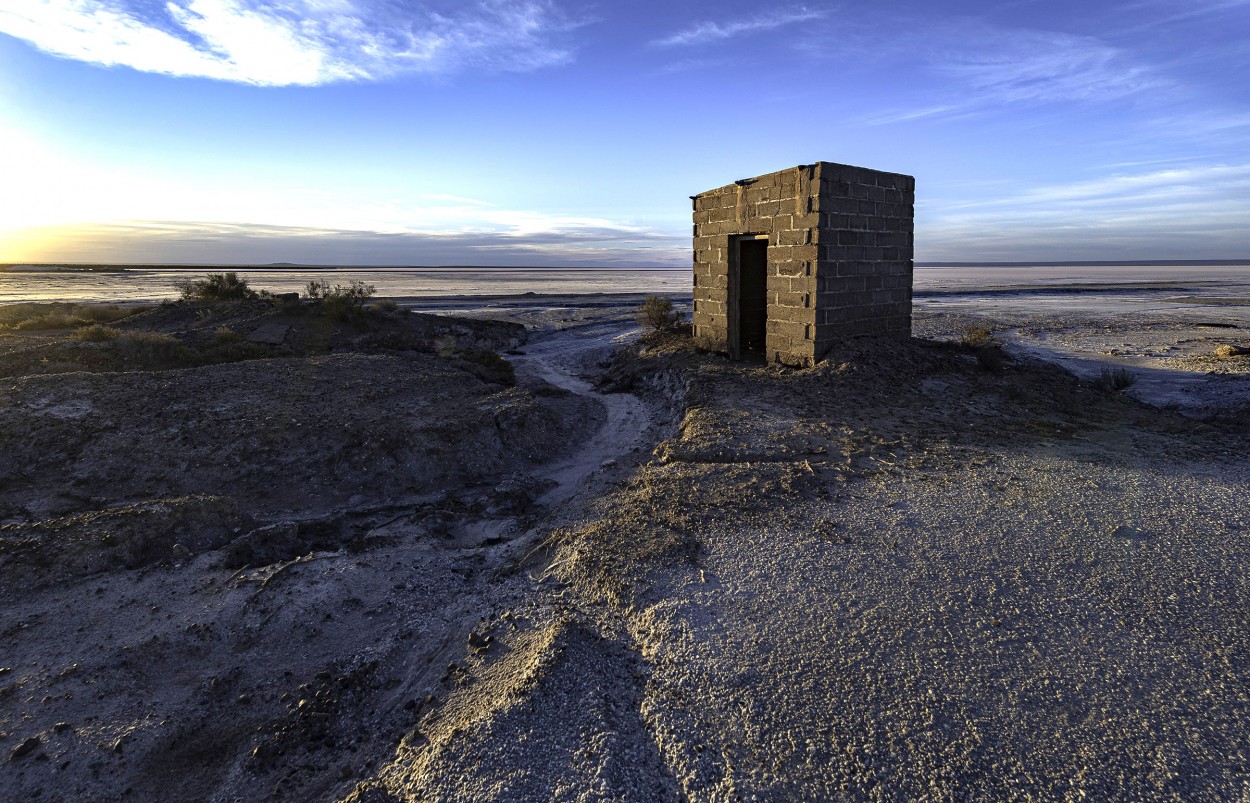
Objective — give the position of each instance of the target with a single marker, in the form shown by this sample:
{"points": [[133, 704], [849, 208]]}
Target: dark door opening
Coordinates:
{"points": [[752, 294]]}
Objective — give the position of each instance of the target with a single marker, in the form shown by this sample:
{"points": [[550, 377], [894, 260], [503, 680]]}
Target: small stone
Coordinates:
{"points": [[61, 727], [25, 748], [244, 699], [179, 552], [346, 771], [117, 745]]}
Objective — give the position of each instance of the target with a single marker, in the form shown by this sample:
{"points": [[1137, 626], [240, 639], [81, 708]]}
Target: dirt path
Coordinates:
{"points": [[558, 358]]}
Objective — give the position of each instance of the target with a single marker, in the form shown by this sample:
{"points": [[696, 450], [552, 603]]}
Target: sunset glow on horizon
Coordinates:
{"points": [[565, 133]]}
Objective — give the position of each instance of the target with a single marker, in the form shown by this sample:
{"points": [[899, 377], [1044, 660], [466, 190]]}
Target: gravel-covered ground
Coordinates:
{"points": [[917, 571], [896, 576]]}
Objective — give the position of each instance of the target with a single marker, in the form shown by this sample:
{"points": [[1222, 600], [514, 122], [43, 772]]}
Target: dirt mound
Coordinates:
{"points": [[126, 537], [186, 334]]}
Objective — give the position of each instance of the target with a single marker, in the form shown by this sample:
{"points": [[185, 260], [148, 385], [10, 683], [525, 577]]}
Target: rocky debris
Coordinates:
{"points": [[287, 540], [271, 333], [25, 748]]}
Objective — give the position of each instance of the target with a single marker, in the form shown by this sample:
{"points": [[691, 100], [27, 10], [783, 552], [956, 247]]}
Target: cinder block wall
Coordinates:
{"points": [[839, 257]]}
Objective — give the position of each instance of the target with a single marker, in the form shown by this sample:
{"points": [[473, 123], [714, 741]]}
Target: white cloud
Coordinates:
{"points": [[705, 32], [297, 42]]}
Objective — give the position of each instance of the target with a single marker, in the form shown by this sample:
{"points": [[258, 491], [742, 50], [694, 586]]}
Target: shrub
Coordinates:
{"points": [[51, 320], [707, 343], [340, 302], [1117, 379], [991, 358], [153, 349], [216, 287], [489, 366], [98, 333], [978, 337], [657, 313], [105, 313], [61, 315], [384, 305], [1226, 350], [224, 335], [218, 351]]}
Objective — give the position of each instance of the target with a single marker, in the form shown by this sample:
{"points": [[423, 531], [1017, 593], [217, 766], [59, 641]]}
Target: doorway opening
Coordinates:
{"points": [[752, 294]]}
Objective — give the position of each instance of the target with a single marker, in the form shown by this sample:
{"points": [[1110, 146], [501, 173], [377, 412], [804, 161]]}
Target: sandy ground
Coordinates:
{"points": [[893, 576]]}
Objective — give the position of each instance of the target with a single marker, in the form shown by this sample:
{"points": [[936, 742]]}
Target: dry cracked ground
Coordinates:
{"points": [[904, 574]]}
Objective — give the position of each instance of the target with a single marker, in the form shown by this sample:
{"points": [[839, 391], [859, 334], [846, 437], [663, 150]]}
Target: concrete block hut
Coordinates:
{"points": [[789, 263]]}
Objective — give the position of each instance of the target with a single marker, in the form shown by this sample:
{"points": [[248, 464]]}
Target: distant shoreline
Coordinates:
{"points": [[57, 267]]}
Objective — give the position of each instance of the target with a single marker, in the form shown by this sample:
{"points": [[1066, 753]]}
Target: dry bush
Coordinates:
{"points": [[105, 313], [61, 315], [488, 365], [1117, 379], [224, 335], [50, 320], [657, 313], [708, 343], [1227, 350], [978, 337], [384, 305], [339, 302], [153, 349], [991, 358], [97, 333], [216, 287]]}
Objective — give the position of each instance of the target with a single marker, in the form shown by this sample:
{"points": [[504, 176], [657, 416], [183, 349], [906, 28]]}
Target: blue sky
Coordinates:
{"points": [[571, 133]]}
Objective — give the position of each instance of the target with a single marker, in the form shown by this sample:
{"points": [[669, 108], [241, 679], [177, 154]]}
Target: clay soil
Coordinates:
{"points": [[360, 568]]}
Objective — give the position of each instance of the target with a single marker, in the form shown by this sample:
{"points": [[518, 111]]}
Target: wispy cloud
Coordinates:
{"points": [[707, 32], [1191, 212], [296, 42], [981, 68], [1046, 66], [247, 243]]}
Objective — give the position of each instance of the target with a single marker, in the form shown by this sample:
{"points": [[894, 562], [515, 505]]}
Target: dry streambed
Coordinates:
{"points": [[256, 575]]}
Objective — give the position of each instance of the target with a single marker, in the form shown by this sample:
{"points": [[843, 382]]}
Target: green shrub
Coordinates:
{"points": [[1117, 379], [98, 333], [216, 287], [657, 313]]}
